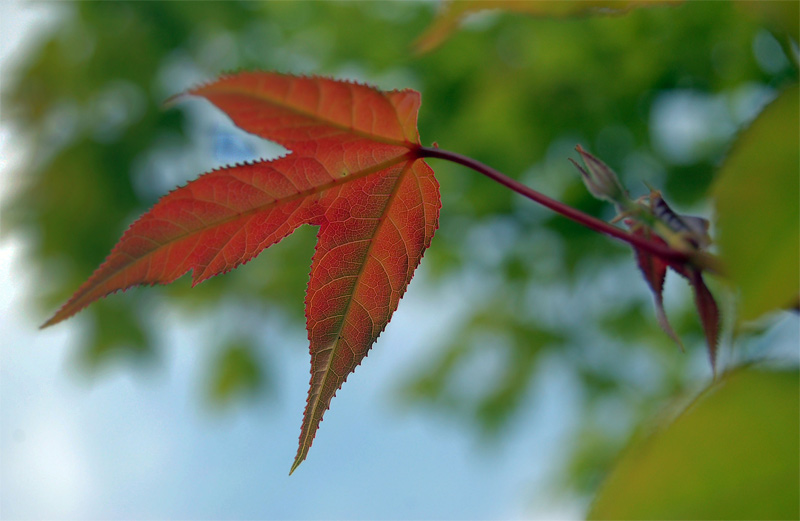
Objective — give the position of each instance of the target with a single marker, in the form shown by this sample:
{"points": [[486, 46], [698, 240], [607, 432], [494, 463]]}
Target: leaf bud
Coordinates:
{"points": [[599, 179]]}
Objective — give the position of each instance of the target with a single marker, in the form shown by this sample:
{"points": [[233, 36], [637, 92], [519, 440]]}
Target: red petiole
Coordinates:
{"points": [[664, 252]]}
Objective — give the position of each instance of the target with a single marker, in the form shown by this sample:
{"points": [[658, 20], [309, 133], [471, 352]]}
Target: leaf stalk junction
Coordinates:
{"points": [[702, 260]]}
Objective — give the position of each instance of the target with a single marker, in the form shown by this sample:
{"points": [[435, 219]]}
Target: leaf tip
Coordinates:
{"points": [[297, 461], [66, 311], [50, 321]]}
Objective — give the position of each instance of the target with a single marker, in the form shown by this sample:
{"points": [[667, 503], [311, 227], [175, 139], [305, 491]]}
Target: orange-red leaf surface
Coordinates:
{"points": [[353, 172]]}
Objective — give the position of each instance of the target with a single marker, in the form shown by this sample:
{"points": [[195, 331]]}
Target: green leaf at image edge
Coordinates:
{"points": [[758, 211], [734, 453]]}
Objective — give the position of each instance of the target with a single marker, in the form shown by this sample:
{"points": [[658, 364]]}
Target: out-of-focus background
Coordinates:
{"points": [[526, 350]]}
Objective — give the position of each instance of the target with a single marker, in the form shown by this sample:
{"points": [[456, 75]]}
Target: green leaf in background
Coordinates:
{"points": [[235, 373], [758, 209], [734, 453]]}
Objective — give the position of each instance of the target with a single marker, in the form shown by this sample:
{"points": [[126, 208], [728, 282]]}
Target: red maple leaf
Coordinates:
{"points": [[354, 171]]}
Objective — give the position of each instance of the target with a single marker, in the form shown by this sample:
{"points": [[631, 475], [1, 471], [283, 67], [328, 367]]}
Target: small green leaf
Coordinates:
{"points": [[117, 335], [236, 373], [758, 209], [734, 453]]}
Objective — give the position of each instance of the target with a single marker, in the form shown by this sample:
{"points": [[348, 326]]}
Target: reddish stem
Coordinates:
{"points": [[660, 250]]}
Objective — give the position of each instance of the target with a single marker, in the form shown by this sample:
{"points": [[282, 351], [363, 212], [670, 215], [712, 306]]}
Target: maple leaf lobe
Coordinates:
{"points": [[306, 114]]}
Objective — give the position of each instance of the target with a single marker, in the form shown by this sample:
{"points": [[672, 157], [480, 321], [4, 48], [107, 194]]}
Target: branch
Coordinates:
{"points": [[666, 253]]}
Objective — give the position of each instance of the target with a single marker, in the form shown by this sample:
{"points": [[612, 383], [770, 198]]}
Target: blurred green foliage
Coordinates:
{"points": [[517, 93]]}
